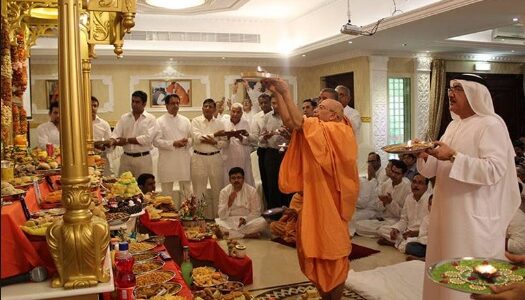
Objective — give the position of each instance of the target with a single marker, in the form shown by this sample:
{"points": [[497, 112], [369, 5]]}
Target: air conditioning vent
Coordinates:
{"points": [[515, 32], [193, 37]]}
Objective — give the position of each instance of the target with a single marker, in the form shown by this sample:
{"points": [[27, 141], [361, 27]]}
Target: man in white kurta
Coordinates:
{"points": [[236, 153], [391, 198], [206, 161], [516, 233], [101, 132], [351, 113], [240, 208], [476, 192], [48, 132], [174, 142], [365, 208], [414, 210], [135, 132]]}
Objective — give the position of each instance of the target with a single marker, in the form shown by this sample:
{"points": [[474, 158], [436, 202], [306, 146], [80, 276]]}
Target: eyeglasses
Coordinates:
{"points": [[455, 89]]}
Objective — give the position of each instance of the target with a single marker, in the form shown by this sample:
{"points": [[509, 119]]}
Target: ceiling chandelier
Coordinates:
{"points": [[175, 4]]}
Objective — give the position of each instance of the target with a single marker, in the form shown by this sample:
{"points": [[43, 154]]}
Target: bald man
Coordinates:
{"points": [[322, 150]]}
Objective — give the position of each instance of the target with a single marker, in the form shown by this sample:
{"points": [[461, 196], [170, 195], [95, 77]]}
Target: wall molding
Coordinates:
{"points": [[106, 80]]}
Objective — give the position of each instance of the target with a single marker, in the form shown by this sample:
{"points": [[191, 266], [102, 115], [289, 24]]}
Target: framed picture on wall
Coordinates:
{"points": [[160, 88], [51, 91]]}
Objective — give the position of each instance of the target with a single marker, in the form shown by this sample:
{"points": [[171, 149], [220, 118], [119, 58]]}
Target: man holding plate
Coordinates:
{"points": [[476, 192]]}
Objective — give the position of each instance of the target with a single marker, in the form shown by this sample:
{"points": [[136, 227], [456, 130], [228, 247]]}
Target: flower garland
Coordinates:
{"points": [[16, 119], [5, 81], [18, 60], [23, 121]]}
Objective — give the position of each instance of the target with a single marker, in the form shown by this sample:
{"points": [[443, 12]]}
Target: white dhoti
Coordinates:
{"points": [[204, 167], [370, 228], [231, 225], [361, 214]]}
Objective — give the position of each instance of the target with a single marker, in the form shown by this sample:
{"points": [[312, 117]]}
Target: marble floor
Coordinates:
{"points": [[275, 264]]}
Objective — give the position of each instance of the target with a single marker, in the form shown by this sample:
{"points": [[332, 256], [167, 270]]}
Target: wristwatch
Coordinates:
{"points": [[453, 157]]}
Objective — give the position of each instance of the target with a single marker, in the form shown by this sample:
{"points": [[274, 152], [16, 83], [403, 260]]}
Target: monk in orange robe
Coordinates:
{"points": [[320, 162], [286, 227]]}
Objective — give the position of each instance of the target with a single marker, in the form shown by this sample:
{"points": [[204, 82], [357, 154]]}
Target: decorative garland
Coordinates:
{"points": [[18, 60], [5, 81]]}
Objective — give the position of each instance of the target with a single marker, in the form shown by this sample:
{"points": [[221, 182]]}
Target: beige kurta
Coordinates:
{"points": [[474, 198]]}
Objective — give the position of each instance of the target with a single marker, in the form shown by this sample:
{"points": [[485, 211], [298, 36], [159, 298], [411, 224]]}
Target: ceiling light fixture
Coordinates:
{"points": [[303, 55], [178, 4], [514, 19], [350, 42]]}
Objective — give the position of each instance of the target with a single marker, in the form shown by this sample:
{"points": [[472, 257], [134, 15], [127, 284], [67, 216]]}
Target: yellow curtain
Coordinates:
{"points": [[437, 96]]}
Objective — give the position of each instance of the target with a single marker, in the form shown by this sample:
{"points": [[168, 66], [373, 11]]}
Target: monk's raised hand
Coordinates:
{"points": [[442, 151], [275, 85]]}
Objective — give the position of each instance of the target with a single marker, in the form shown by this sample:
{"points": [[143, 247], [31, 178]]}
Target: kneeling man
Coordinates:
{"points": [[240, 208]]}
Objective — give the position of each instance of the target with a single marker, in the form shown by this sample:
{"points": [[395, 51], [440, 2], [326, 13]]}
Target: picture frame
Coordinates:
{"points": [[51, 91], [160, 88]]}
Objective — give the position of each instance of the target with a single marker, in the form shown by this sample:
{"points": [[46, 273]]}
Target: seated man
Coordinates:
{"points": [[391, 198], [414, 210], [417, 248], [146, 183], [240, 208], [286, 227], [515, 242], [366, 208]]}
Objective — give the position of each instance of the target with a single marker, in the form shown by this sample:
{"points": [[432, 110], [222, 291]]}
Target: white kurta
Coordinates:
{"points": [[246, 205], [355, 119], [412, 215], [236, 153], [391, 212], [102, 132], [516, 234], [365, 206], [48, 133], [473, 196], [174, 163]]}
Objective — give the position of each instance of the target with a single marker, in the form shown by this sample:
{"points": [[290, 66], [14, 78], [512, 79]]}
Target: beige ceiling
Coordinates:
{"points": [[306, 32]]}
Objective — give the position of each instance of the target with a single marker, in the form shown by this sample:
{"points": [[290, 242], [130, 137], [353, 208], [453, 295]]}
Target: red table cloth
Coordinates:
{"points": [[19, 254], [208, 249]]}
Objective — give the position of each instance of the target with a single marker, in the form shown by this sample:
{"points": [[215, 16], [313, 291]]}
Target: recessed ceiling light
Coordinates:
{"points": [[404, 44], [171, 58], [303, 55], [223, 57], [512, 51], [514, 19], [179, 4], [350, 42], [427, 51], [502, 40]]}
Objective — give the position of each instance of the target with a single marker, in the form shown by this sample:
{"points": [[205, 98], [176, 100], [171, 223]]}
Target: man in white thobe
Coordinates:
{"points": [[240, 208], [101, 132], [391, 198], [350, 112], [135, 132], [48, 132], [414, 210], [206, 161], [174, 142], [236, 152], [476, 192], [247, 111]]}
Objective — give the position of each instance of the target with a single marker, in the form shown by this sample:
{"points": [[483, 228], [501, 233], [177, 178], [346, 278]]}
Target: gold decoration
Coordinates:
{"points": [[366, 119], [79, 242]]}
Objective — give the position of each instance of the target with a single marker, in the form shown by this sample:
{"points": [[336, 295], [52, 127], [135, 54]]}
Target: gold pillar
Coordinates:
{"points": [[86, 95], [78, 243]]}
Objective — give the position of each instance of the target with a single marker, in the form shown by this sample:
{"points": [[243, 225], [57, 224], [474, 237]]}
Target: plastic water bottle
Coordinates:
{"points": [[125, 279], [187, 267]]}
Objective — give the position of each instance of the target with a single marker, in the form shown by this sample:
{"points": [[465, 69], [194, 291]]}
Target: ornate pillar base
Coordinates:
{"points": [[79, 242]]}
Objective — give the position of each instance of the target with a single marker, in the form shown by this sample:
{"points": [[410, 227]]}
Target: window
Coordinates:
{"points": [[398, 110]]}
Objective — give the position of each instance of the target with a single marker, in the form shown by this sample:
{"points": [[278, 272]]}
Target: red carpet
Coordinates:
{"points": [[357, 251]]}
